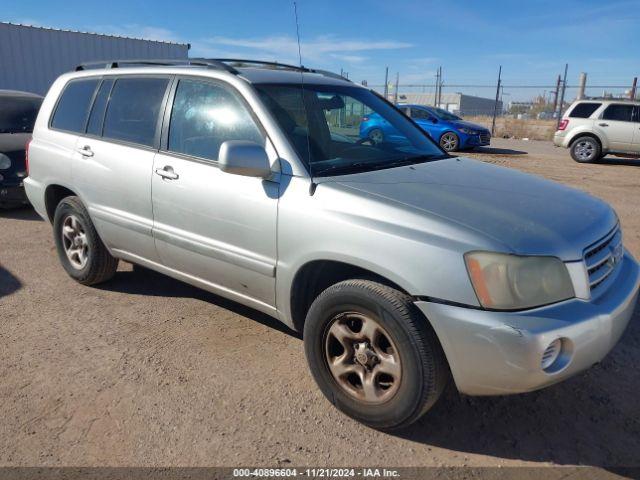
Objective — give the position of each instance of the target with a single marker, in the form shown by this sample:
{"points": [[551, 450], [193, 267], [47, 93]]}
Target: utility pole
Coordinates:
{"points": [[564, 88], [386, 83], [440, 89], [495, 105], [632, 95], [395, 93], [555, 96], [582, 85], [435, 95]]}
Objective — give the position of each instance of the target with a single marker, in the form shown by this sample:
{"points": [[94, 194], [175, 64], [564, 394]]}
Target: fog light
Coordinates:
{"points": [[551, 353]]}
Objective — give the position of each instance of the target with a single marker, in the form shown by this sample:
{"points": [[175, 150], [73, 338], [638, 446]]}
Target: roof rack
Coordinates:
{"points": [[196, 62], [225, 64], [239, 62]]}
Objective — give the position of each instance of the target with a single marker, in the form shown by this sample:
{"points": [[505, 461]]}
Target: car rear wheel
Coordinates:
{"points": [[376, 136], [586, 150], [373, 355], [449, 142], [81, 252]]}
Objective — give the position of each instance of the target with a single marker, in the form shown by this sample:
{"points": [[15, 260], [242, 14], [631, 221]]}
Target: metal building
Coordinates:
{"points": [[31, 58], [456, 103]]}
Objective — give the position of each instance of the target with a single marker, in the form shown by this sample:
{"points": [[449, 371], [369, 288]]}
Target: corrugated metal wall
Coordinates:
{"points": [[31, 58]]}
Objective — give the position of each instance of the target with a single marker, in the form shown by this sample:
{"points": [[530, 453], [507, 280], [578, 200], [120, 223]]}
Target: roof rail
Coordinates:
{"points": [[197, 62], [214, 63], [238, 62]]}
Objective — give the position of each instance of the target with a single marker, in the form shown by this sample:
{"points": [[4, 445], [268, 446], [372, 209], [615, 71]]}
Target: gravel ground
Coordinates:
{"points": [[145, 370]]}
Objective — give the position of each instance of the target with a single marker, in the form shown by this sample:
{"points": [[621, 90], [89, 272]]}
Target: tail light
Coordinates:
{"points": [[563, 124], [26, 156]]}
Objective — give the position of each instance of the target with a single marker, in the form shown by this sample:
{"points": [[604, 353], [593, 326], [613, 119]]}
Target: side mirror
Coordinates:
{"points": [[241, 157]]}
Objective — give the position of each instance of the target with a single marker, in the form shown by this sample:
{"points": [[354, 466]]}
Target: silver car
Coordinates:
{"points": [[402, 266]]}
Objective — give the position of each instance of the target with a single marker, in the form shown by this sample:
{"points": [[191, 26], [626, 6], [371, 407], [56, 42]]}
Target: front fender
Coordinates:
{"points": [[413, 251]]}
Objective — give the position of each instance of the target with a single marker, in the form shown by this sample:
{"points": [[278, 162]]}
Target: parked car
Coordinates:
{"points": [[18, 111], [591, 129], [449, 130], [402, 266]]}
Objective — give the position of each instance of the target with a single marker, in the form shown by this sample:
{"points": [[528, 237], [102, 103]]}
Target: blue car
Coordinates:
{"points": [[449, 130]]}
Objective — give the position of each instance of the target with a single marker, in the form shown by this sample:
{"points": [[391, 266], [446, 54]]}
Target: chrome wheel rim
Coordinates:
{"points": [[449, 142], [362, 358], [376, 136], [585, 150], [74, 242]]}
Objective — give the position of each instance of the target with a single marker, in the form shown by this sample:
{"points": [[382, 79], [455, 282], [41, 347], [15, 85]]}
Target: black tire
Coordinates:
{"points": [[376, 136], [424, 369], [100, 266], [449, 142], [586, 149]]}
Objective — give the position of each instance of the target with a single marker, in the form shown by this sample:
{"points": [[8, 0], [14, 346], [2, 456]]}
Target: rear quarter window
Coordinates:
{"points": [[133, 110], [584, 110], [73, 106]]}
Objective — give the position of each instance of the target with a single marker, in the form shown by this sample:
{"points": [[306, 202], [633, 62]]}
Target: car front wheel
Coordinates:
{"points": [[449, 142], [373, 355]]}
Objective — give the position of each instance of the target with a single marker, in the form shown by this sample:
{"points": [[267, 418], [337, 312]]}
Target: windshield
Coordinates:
{"points": [[339, 130], [18, 114], [444, 114]]}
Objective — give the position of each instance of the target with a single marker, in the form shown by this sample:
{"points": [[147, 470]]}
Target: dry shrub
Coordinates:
{"points": [[516, 128]]}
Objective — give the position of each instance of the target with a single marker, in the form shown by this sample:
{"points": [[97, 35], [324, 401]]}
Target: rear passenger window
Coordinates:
{"points": [[73, 106], [204, 116], [584, 110], [616, 111], [419, 114], [132, 113], [99, 106]]}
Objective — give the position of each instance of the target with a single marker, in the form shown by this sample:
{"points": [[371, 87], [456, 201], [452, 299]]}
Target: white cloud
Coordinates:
{"points": [[134, 30], [285, 48]]}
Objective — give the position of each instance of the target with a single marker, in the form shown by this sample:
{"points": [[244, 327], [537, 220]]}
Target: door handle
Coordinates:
{"points": [[603, 124], [167, 173], [86, 151]]}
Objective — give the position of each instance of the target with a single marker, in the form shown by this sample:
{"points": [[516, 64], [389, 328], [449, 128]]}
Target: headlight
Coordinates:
{"points": [[5, 162], [511, 282], [468, 131]]}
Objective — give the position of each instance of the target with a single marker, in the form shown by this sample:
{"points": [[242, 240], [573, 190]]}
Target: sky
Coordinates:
{"points": [[532, 40]]}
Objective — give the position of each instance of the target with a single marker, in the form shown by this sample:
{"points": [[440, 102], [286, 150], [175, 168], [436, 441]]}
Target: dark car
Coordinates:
{"points": [[18, 111]]}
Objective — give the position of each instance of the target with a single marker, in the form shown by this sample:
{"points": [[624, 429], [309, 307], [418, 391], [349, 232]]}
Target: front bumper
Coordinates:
{"points": [[12, 195], [475, 140], [497, 353]]}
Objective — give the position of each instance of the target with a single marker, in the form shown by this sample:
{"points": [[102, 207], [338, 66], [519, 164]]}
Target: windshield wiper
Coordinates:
{"points": [[343, 169]]}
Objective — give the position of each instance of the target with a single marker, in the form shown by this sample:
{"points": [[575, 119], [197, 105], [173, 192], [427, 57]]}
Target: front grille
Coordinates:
{"points": [[603, 257], [485, 137]]}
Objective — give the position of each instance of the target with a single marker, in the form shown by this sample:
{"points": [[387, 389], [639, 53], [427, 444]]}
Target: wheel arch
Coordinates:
{"points": [[315, 276], [53, 195], [587, 133]]}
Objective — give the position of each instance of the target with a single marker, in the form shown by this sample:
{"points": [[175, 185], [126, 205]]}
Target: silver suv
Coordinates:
{"points": [[402, 266], [592, 129]]}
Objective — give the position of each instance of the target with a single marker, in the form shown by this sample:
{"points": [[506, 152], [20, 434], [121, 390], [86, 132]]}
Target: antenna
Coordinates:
{"points": [[312, 186]]}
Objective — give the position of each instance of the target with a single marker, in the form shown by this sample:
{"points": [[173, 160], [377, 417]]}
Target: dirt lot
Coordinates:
{"points": [[148, 371]]}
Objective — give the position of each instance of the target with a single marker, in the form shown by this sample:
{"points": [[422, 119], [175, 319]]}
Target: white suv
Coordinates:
{"points": [[593, 128]]}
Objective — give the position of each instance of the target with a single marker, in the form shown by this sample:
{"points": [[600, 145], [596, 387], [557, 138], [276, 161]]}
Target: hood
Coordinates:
{"points": [[464, 123], [521, 213]]}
